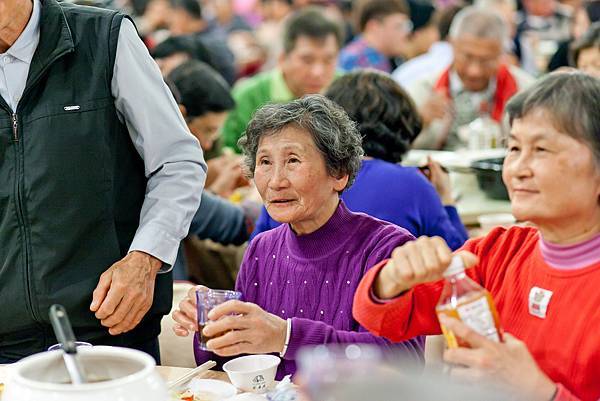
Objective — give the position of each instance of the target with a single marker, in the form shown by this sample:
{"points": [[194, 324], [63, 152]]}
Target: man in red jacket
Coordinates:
{"points": [[478, 81]]}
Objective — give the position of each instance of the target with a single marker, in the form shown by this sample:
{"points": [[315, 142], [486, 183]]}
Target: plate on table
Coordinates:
{"points": [[206, 390]]}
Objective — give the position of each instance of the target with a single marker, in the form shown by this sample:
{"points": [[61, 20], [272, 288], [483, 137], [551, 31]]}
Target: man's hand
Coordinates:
{"points": [[125, 292]]}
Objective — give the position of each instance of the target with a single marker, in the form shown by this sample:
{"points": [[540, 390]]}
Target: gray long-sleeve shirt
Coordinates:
{"points": [[172, 157]]}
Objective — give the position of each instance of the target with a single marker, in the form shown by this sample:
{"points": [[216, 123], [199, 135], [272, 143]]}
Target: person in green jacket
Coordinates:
{"points": [[307, 65]]}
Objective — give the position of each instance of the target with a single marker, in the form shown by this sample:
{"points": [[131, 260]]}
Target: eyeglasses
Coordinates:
{"points": [[484, 62]]}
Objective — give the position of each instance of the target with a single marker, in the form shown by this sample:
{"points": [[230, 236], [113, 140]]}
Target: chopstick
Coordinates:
{"points": [[189, 375]]}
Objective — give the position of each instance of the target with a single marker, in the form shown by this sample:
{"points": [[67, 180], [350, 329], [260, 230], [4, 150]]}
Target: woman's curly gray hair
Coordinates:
{"points": [[335, 135]]}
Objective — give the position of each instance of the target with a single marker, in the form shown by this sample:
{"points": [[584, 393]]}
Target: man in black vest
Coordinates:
{"points": [[99, 179]]}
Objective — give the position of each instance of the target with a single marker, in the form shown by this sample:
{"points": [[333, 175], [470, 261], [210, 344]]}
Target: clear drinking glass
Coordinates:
{"points": [[206, 300]]}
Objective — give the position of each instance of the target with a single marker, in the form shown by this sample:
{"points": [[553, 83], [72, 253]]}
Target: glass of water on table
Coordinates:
{"points": [[206, 300]]}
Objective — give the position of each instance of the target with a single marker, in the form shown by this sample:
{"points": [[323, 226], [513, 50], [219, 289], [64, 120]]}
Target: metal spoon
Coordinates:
{"points": [[64, 335]]}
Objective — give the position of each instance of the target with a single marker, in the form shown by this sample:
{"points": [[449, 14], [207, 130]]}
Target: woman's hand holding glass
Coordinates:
{"points": [[416, 262], [240, 327], [248, 329], [509, 364]]}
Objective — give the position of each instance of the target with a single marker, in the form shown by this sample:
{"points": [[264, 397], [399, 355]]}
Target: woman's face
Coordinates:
{"points": [[551, 177], [293, 181]]}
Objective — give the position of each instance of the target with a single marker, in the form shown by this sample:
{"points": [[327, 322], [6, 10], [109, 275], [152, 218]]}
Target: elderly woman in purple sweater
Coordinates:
{"points": [[298, 280]]}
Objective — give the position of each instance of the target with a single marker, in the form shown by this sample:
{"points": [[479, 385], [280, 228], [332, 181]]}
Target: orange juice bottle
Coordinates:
{"points": [[465, 300]]}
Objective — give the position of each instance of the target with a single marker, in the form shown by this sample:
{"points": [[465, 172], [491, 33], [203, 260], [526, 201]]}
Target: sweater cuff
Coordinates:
{"points": [[304, 332], [370, 282], [378, 300]]}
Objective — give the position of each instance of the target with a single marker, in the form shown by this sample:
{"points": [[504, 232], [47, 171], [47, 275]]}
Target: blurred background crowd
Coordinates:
{"points": [[223, 59]]}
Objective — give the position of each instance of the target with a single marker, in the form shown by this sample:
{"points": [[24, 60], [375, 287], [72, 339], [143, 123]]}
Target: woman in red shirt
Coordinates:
{"points": [[544, 280]]}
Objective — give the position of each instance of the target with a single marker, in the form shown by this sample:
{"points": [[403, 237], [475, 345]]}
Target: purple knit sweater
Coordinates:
{"points": [[312, 279]]}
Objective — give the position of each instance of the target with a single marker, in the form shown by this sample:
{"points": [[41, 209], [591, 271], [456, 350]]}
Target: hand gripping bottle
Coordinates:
{"points": [[465, 300]]}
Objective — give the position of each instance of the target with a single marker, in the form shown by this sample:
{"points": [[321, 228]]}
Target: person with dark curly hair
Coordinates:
{"points": [[389, 122], [298, 280]]}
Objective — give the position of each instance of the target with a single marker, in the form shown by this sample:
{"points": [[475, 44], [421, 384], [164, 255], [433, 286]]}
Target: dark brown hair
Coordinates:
{"points": [[312, 23], [378, 9], [386, 116]]}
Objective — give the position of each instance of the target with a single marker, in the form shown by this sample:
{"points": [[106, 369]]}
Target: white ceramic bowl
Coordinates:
{"points": [[125, 374], [255, 373], [211, 390]]}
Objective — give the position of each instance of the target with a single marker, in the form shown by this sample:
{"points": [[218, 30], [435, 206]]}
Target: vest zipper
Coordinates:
{"points": [[20, 208], [21, 217], [15, 125]]}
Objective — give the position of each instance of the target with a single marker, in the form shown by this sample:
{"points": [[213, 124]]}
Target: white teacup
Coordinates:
{"points": [[254, 373]]}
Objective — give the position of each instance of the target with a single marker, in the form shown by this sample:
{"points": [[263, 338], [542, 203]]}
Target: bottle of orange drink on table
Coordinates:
{"points": [[465, 300]]}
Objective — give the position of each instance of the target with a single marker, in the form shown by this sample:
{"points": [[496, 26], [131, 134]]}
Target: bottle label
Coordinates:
{"points": [[478, 316]]}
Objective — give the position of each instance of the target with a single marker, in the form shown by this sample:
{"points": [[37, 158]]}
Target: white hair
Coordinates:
{"points": [[480, 23]]}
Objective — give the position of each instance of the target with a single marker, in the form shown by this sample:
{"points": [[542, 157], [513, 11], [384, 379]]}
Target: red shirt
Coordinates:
{"points": [[565, 343]]}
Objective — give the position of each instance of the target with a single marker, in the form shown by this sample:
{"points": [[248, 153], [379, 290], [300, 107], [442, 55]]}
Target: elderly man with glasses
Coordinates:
{"points": [[476, 83]]}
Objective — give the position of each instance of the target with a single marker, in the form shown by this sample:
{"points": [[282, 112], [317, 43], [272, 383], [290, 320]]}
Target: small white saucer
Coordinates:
{"points": [[220, 389]]}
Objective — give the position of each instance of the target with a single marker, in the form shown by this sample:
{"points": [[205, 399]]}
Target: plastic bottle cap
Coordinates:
{"points": [[456, 266]]}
